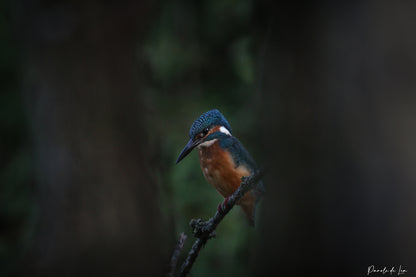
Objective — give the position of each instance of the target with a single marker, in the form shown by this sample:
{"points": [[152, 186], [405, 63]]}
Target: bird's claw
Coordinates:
{"points": [[221, 207]]}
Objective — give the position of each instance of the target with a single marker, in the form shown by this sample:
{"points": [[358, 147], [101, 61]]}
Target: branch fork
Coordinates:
{"points": [[205, 230]]}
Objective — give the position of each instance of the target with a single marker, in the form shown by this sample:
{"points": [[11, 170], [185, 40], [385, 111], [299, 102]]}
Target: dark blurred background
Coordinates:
{"points": [[96, 99]]}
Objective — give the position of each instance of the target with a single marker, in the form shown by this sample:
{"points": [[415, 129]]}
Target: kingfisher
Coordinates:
{"points": [[224, 160]]}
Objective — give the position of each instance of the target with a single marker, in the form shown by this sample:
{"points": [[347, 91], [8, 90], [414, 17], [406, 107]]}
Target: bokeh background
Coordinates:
{"points": [[96, 99]]}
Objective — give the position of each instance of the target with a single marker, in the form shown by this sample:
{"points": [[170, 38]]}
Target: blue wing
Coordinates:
{"points": [[241, 156]]}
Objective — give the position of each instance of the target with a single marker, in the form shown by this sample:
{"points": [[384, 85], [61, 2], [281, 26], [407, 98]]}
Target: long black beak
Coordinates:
{"points": [[188, 148]]}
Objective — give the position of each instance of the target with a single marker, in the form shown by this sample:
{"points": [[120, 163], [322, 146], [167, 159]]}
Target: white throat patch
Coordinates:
{"points": [[207, 143], [225, 131]]}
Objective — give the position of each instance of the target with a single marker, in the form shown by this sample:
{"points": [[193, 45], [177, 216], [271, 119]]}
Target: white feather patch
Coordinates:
{"points": [[225, 131], [207, 143]]}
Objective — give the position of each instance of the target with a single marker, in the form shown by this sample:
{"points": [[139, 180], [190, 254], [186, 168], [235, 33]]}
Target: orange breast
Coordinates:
{"points": [[220, 170]]}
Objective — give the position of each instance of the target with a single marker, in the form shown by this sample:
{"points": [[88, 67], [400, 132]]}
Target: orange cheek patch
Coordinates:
{"points": [[213, 130]]}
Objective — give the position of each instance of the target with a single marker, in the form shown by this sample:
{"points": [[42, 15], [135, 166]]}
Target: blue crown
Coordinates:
{"points": [[207, 120]]}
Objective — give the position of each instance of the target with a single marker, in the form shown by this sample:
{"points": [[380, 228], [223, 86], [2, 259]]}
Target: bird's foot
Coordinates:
{"points": [[221, 206]]}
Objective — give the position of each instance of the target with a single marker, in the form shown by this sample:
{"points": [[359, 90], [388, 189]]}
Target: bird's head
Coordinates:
{"points": [[200, 133]]}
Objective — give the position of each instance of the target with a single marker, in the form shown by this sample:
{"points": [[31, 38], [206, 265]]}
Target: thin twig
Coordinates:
{"points": [[204, 230], [176, 253]]}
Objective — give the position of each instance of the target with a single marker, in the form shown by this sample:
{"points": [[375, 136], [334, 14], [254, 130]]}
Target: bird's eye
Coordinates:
{"points": [[204, 132]]}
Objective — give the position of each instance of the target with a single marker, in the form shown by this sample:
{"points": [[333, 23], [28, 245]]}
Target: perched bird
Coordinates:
{"points": [[223, 159]]}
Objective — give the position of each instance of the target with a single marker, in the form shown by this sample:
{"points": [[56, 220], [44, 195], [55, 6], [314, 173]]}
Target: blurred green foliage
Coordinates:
{"points": [[200, 56]]}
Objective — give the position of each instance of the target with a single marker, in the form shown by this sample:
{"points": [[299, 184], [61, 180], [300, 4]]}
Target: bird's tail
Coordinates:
{"points": [[248, 204]]}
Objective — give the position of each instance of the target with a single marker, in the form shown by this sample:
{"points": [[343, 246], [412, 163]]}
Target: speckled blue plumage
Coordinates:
{"points": [[207, 120]]}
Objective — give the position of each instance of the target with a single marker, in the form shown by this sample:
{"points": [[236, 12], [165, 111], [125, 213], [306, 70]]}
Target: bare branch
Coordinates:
{"points": [[176, 253], [204, 230]]}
